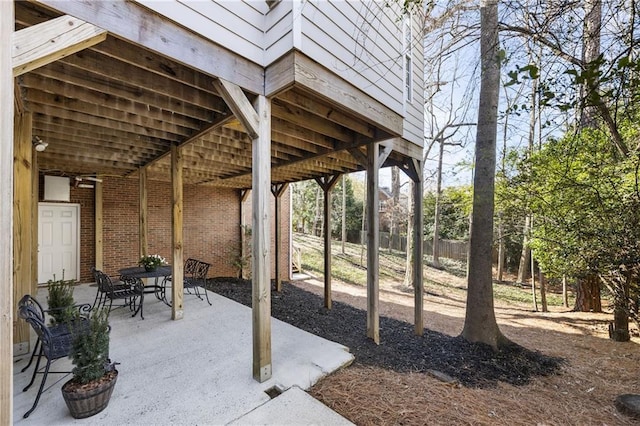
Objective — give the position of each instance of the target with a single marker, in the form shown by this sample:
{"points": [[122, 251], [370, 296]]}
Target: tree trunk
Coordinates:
{"points": [[480, 321], [408, 280], [565, 297], [533, 284], [395, 191], [317, 214], [436, 220], [344, 211], [588, 294], [619, 329], [523, 268], [543, 292], [500, 248]]}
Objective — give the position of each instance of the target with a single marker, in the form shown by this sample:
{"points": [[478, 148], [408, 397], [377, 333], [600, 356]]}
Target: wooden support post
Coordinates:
{"points": [[244, 194], [413, 168], [177, 276], [7, 25], [99, 224], [144, 214], [261, 262], [22, 212], [35, 187], [418, 286], [277, 189], [373, 239], [327, 183]]}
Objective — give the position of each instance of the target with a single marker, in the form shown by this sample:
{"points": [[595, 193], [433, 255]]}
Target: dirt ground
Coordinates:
{"points": [[594, 372]]}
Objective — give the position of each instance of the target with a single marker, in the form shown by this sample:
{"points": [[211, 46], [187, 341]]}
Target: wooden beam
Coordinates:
{"points": [[144, 213], [261, 243], [385, 151], [319, 80], [99, 224], [133, 22], [49, 41], [22, 213], [277, 189], [238, 103], [6, 212], [177, 240], [359, 156], [327, 183], [373, 239]]}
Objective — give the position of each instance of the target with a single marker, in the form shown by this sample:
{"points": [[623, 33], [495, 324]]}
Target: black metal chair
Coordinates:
{"points": [[54, 341], [195, 276], [129, 290], [198, 279]]}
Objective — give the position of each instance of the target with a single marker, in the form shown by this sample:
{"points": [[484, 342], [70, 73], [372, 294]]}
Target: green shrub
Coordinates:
{"points": [[60, 300], [90, 354]]}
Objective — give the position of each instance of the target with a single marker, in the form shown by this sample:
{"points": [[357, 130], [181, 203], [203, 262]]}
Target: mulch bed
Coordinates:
{"points": [[444, 357]]}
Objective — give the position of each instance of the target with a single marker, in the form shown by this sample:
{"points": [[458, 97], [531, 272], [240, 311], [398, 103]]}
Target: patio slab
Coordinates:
{"points": [[194, 371]]}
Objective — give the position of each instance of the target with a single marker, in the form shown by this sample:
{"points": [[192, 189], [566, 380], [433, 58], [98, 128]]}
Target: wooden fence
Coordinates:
{"points": [[450, 249]]}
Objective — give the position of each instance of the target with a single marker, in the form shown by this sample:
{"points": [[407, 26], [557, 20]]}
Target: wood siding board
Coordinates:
{"points": [[278, 37], [213, 21], [324, 19], [135, 23]]}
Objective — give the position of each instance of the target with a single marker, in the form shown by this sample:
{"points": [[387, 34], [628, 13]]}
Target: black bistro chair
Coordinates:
{"points": [[128, 290], [195, 276], [198, 279], [54, 341]]}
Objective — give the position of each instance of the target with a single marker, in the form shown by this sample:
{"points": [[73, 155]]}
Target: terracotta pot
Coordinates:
{"points": [[86, 403]]}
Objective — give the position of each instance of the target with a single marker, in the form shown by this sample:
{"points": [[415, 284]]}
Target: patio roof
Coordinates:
{"points": [[116, 107]]}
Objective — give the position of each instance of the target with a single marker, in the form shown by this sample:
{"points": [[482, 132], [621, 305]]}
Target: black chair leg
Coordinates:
{"points": [[35, 371], [36, 347], [207, 295], [44, 379]]}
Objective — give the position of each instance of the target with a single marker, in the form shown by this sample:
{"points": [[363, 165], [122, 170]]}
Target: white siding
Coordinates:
{"points": [[361, 42], [413, 125], [236, 25], [278, 28]]}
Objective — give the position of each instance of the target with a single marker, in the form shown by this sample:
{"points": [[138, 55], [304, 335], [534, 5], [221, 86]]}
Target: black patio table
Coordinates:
{"points": [[156, 288]]}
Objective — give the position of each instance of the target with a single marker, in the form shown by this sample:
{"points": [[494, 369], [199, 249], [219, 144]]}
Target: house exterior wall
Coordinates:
{"points": [[211, 226]]}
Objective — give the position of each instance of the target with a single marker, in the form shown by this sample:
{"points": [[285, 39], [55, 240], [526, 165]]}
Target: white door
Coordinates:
{"points": [[58, 244]]}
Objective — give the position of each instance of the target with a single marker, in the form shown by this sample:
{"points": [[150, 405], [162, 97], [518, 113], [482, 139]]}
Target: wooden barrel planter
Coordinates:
{"points": [[86, 403]]}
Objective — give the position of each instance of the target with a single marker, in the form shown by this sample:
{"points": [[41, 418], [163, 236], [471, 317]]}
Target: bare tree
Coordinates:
{"points": [[480, 322]]}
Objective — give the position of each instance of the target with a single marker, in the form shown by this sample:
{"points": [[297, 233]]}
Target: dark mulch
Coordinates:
{"points": [[473, 365]]}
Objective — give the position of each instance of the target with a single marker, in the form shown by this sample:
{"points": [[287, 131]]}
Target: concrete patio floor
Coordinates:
{"points": [[193, 371]]}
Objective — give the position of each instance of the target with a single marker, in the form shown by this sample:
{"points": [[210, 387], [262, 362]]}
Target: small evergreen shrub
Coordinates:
{"points": [[60, 300], [90, 354]]}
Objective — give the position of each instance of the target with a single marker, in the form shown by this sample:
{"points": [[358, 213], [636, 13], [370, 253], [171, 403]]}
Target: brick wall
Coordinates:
{"points": [[211, 225]]}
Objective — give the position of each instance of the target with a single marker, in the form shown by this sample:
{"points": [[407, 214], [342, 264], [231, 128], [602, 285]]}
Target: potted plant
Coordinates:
{"points": [[60, 300], [152, 261], [94, 375]]}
